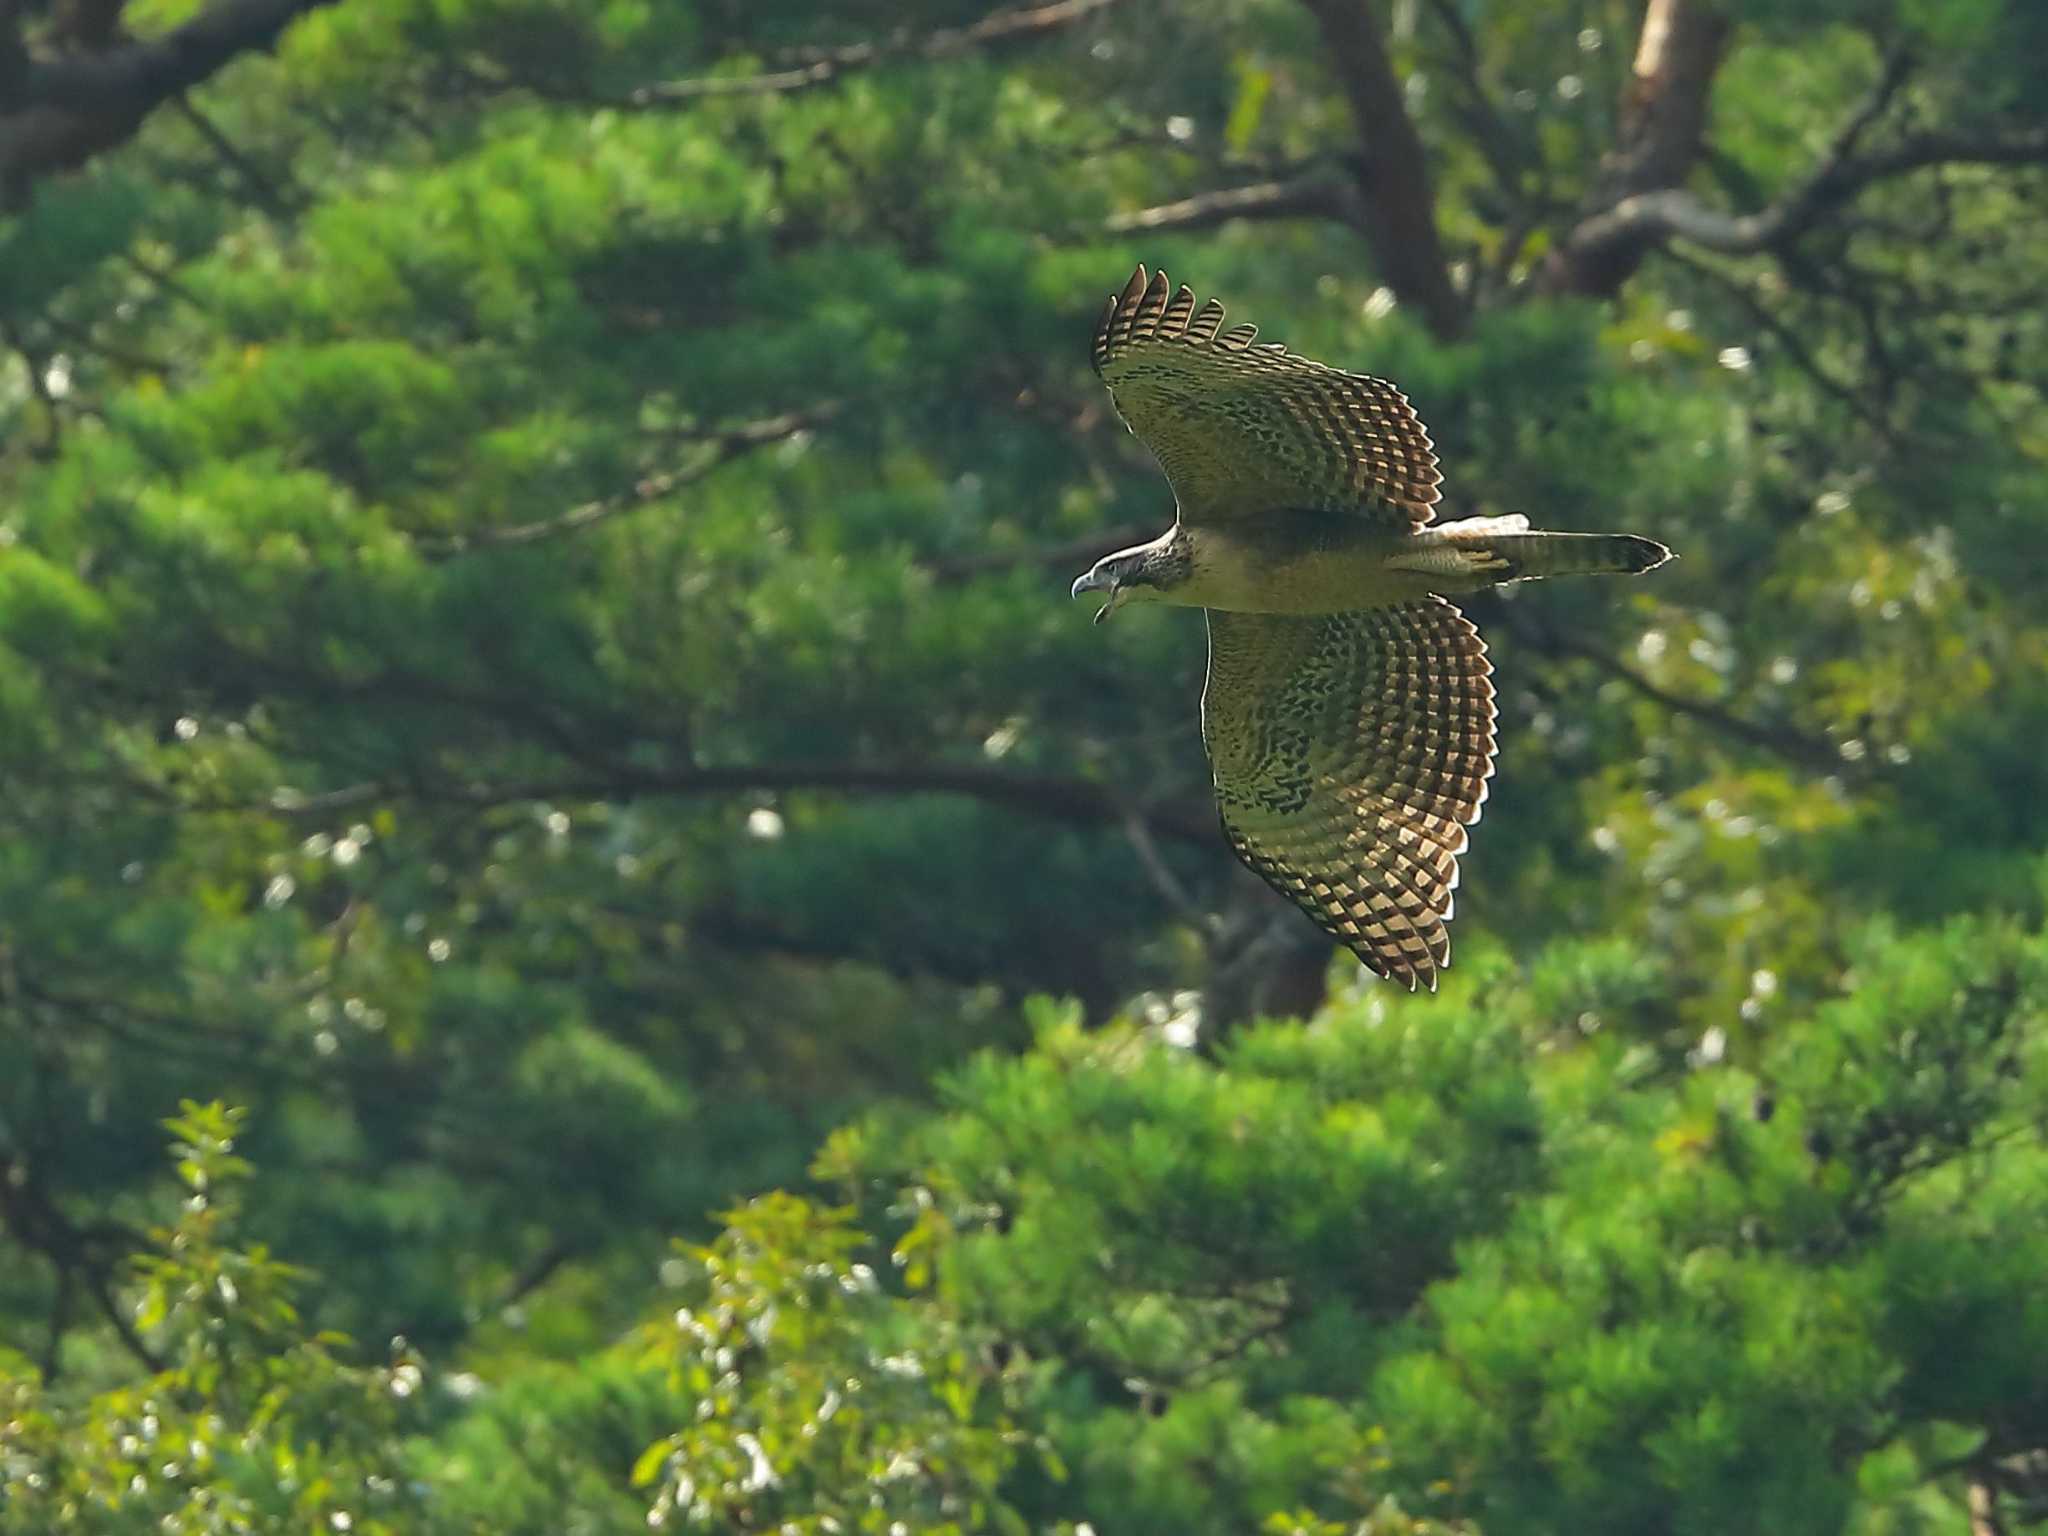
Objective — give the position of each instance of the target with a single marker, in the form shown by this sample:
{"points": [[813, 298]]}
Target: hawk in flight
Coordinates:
{"points": [[1348, 711]]}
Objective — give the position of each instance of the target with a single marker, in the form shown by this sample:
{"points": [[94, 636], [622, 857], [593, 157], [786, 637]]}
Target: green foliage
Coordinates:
{"points": [[822, 1403], [534, 657], [246, 1420], [1537, 1290]]}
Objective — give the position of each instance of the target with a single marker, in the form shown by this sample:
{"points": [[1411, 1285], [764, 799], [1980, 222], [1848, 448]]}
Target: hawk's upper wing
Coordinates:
{"points": [[1350, 753], [1242, 428]]}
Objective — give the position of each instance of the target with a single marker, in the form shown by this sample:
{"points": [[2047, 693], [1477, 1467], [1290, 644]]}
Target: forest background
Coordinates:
{"points": [[587, 939]]}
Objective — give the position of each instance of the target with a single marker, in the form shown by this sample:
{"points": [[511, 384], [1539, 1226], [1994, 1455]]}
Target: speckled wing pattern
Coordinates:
{"points": [[1350, 752], [1242, 428]]}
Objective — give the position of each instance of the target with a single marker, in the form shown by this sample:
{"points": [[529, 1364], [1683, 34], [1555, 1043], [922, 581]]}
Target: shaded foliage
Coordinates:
{"points": [[534, 658]]}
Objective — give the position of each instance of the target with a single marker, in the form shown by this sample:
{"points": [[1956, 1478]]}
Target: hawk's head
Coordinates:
{"points": [[1146, 573]]}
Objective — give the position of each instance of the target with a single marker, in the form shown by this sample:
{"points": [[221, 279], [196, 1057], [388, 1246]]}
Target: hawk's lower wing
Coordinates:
{"points": [[1350, 752]]}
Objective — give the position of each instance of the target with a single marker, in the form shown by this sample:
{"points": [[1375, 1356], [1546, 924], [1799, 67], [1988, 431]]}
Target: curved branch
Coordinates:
{"points": [[722, 448], [1788, 742], [1608, 244], [1680, 215], [828, 65], [61, 111]]}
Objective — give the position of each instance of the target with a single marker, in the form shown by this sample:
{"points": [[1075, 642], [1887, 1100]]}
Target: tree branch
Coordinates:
{"points": [[1392, 170], [1801, 355], [1505, 152], [1082, 801], [722, 447], [1607, 245], [52, 1363], [1664, 107], [1657, 216], [1982, 1500], [102, 1292], [254, 178], [1788, 742], [62, 111], [37, 364], [1663, 124], [1084, 551], [1304, 197], [827, 65], [15, 63]]}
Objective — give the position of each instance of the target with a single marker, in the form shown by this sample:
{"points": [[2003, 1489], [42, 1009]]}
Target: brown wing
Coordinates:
{"points": [[1350, 753], [1242, 428]]}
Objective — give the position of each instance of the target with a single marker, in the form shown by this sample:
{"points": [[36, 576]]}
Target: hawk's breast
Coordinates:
{"points": [[1294, 562]]}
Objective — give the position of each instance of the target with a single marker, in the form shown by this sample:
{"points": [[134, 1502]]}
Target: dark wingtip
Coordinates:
{"points": [[1647, 554]]}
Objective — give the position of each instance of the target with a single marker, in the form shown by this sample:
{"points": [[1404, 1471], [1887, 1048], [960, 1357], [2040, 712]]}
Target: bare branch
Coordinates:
{"points": [[1161, 874], [82, 339], [537, 1272], [1663, 124], [102, 1292], [1305, 197], [1392, 170], [828, 65], [89, 24], [37, 365], [1785, 741], [1802, 357], [1083, 551], [1982, 1499], [15, 63], [1615, 239], [721, 448], [1671, 214], [1082, 801], [1505, 152], [1664, 110], [62, 111], [52, 1363], [254, 178]]}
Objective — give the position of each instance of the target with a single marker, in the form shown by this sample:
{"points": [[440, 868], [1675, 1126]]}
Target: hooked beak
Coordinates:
{"points": [[1095, 581]]}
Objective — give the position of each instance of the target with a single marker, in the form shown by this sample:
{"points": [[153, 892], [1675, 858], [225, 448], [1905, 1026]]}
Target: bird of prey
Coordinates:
{"points": [[1348, 711]]}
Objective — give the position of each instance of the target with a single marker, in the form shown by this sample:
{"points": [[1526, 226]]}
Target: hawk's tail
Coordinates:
{"points": [[1504, 549]]}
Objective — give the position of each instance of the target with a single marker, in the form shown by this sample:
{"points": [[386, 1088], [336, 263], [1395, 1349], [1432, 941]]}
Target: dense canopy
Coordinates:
{"points": [[545, 756]]}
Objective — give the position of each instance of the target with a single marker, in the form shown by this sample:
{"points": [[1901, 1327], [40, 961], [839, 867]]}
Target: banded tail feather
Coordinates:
{"points": [[1507, 549], [1572, 554]]}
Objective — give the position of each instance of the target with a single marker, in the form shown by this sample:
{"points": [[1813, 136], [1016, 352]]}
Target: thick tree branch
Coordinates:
{"points": [[56, 113], [1982, 1499], [1392, 170], [827, 65], [1663, 125], [1664, 108], [721, 448], [1672, 214], [1647, 207], [15, 63]]}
